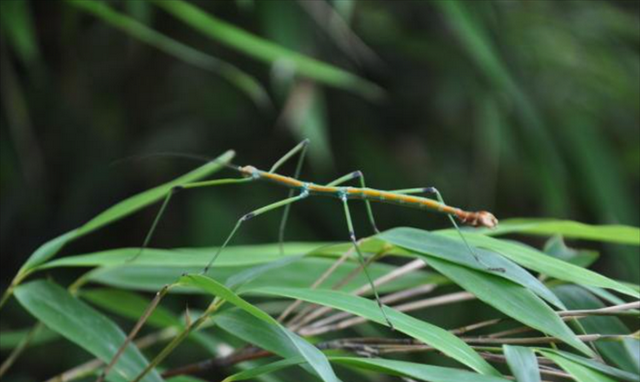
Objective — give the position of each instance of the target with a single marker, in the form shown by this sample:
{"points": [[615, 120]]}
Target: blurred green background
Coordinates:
{"points": [[523, 108]]}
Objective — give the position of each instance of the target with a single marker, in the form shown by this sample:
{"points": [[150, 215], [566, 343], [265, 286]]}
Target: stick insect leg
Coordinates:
{"points": [[302, 148], [358, 175], [433, 190], [165, 203], [145, 244], [252, 214], [352, 236]]}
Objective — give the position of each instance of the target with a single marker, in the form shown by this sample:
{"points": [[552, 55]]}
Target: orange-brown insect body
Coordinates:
{"points": [[476, 219]]}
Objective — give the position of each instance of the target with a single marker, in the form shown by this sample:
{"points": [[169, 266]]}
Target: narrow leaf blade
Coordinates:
{"points": [[82, 325]]}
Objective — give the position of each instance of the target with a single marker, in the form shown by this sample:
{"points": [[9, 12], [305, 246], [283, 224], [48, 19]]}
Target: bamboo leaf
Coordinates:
{"points": [[422, 242], [122, 209], [421, 330], [620, 234], [595, 365], [246, 83], [618, 353], [265, 50], [82, 325], [129, 305], [512, 299], [387, 366], [535, 260], [295, 344], [523, 363], [579, 372], [416, 370]]}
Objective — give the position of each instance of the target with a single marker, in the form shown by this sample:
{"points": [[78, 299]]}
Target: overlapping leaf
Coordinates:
{"points": [[421, 330], [82, 325]]}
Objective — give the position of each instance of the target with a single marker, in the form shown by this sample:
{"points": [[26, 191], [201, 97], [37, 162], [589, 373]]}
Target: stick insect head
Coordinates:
{"points": [[477, 219], [249, 171], [485, 219]]}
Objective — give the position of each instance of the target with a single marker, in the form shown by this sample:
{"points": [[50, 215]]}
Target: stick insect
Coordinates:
{"points": [[334, 189]]}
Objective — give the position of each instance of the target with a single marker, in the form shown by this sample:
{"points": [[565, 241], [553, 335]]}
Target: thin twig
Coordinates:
{"points": [[17, 351], [615, 310], [134, 331]]}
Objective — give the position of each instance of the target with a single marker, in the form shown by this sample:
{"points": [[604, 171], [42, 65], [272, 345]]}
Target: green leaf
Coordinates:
{"points": [[264, 369], [391, 367], [120, 210], [535, 260], [82, 325], [557, 248], [579, 372], [422, 242], [9, 339], [185, 378], [576, 298], [416, 370], [523, 363], [620, 234], [129, 305], [246, 83], [315, 357], [155, 268], [143, 199], [18, 27], [240, 256], [265, 335], [48, 250], [267, 51], [595, 365], [430, 334], [512, 299], [132, 306]]}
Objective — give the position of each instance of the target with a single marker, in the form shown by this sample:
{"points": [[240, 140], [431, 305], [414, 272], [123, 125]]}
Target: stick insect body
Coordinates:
{"points": [[333, 189], [476, 219], [305, 189]]}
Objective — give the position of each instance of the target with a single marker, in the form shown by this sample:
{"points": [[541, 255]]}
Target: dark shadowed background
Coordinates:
{"points": [[523, 108]]}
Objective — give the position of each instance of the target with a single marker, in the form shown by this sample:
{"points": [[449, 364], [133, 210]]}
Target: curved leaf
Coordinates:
{"points": [[392, 367], [416, 370], [246, 83], [533, 259], [430, 334], [82, 325], [122, 209], [267, 51], [522, 362], [621, 234], [579, 372], [512, 299], [617, 352], [294, 343], [595, 365], [423, 242]]}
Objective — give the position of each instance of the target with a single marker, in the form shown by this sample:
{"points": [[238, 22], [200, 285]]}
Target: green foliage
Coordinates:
{"points": [[81, 324], [522, 108], [510, 291]]}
